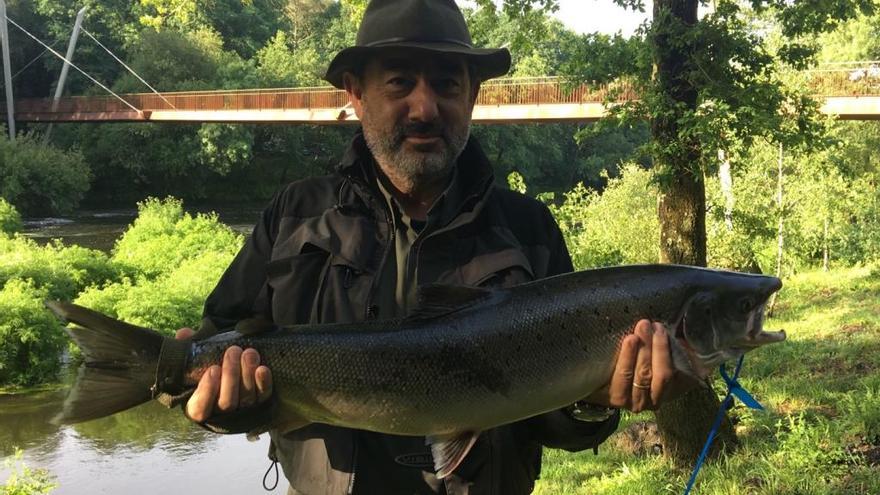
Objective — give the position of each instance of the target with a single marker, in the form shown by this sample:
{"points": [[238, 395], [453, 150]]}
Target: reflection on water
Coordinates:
{"points": [[147, 449]]}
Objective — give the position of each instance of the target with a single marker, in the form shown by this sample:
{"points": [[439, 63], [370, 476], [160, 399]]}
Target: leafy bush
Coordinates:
{"points": [[61, 271], [163, 236], [10, 220], [169, 302], [618, 226], [40, 179], [24, 480], [172, 261], [31, 338]]}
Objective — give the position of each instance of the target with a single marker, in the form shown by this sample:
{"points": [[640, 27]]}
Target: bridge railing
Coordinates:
{"points": [[508, 91], [854, 79], [845, 79]]}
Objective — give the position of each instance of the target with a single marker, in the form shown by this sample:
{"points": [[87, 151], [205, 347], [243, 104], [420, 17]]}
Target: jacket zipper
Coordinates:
{"points": [[381, 268]]}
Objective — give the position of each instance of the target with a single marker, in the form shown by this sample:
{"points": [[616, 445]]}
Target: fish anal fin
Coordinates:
{"points": [[450, 450], [439, 299]]}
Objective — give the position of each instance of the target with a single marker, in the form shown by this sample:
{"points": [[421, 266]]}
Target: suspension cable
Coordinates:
{"points": [[105, 88], [38, 57], [135, 74]]}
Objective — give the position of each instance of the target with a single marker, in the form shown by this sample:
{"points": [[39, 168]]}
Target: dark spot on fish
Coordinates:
{"points": [[539, 337], [626, 309], [596, 312]]}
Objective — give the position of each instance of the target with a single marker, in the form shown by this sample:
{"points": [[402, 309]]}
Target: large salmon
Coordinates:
{"points": [[468, 359]]}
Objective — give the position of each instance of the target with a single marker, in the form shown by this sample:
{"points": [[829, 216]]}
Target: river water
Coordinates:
{"points": [[148, 449]]}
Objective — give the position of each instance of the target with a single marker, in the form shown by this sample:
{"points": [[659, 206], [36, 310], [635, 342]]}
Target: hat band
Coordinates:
{"points": [[408, 40]]}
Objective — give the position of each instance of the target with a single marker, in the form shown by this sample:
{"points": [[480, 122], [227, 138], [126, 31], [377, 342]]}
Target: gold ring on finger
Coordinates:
{"points": [[643, 387]]}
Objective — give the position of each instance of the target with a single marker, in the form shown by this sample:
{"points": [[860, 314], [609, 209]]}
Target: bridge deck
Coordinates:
{"points": [[510, 100]]}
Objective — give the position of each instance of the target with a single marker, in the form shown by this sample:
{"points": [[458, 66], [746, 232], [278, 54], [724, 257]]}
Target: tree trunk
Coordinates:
{"points": [[683, 424]]}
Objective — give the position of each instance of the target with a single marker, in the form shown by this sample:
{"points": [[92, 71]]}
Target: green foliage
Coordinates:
{"points": [[170, 301], [24, 480], [61, 271], [10, 219], [40, 179], [30, 337], [163, 236], [830, 205], [618, 226], [172, 261], [225, 146]]}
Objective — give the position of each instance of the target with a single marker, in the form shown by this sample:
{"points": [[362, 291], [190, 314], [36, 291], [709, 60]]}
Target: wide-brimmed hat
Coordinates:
{"points": [[432, 25]]}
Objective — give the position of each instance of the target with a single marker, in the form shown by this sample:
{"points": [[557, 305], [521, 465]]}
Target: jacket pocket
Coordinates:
{"points": [[503, 268], [295, 282]]}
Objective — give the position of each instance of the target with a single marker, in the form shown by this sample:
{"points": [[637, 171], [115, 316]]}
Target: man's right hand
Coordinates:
{"points": [[241, 382]]}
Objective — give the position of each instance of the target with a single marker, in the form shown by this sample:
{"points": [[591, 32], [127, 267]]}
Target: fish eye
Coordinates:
{"points": [[746, 304]]}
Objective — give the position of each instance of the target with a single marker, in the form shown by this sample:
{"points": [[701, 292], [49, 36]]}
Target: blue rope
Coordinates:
{"points": [[734, 389]]}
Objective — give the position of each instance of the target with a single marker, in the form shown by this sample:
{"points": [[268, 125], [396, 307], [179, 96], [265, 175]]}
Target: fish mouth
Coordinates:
{"points": [[756, 336]]}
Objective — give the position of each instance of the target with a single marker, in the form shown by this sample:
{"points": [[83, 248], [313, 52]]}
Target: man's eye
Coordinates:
{"points": [[447, 84], [398, 82]]}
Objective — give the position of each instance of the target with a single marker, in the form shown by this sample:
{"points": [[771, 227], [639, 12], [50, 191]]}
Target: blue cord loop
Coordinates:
{"points": [[734, 389]]}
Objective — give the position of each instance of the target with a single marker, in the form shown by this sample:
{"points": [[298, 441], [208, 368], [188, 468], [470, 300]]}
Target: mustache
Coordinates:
{"points": [[435, 128]]}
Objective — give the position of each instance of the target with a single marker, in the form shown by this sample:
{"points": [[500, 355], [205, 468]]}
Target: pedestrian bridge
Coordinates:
{"points": [[851, 93]]}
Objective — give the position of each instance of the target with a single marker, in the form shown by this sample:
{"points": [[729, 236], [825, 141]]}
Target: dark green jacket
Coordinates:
{"points": [[316, 256]]}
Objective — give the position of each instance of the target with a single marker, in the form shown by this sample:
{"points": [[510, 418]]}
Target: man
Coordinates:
{"points": [[413, 202]]}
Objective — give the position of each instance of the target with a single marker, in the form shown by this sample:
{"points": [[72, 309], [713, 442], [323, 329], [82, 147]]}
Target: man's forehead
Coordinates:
{"points": [[422, 61]]}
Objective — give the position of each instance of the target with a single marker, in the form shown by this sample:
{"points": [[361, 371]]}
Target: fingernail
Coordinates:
{"points": [[214, 371], [661, 331], [251, 358]]}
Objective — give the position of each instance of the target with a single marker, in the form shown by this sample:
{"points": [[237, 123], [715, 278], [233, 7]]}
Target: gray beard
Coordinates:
{"points": [[414, 167]]}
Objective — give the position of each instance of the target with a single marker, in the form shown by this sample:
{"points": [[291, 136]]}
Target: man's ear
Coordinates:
{"points": [[355, 91]]}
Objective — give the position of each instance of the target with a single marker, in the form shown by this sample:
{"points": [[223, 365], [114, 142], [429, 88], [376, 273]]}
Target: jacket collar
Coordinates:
{"points": [[473, 178]]}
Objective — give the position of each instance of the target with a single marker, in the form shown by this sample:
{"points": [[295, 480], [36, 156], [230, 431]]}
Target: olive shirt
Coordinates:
{"points": [[399, 298]]}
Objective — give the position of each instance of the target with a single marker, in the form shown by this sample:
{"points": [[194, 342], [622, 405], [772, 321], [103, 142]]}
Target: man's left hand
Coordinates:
{"points": [[643, 376]]}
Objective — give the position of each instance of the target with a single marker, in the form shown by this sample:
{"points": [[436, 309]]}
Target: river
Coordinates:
{"points": [[148, 449]]}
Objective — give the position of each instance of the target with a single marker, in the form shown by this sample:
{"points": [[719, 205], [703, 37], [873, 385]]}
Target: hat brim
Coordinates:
{"points": [[486, 62]]}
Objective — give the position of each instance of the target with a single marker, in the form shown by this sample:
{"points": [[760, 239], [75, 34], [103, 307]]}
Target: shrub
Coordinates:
{"points": [[10, 220], [40, 179], [618, 226], [163, 236], [172, 261], [24, 480], [61, 271], [169, 302], [31, 338]]}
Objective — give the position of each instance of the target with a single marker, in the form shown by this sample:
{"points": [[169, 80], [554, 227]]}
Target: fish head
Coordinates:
{"points": [[724, 320]]}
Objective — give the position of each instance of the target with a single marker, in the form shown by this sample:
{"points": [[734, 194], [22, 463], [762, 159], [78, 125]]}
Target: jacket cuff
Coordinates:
{"points": [[558, 430], [248, 420]]}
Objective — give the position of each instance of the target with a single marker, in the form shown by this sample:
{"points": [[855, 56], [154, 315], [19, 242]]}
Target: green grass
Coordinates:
{"points": [[820, 433]]}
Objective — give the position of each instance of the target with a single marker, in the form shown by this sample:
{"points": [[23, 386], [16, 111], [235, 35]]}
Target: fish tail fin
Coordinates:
{"points": [[120, 363]]}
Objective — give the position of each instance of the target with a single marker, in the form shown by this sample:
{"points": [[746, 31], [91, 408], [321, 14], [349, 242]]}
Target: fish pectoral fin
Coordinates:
{"points": [[450, 450], [438, 299]]}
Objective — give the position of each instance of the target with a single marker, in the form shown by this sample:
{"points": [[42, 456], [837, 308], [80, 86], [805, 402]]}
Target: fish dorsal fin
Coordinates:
{"points": [[253, 326], [449, 450], [438, 299]]}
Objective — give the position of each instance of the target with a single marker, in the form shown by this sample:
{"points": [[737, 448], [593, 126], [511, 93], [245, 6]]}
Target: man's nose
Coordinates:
{"points": [[423, 102]]}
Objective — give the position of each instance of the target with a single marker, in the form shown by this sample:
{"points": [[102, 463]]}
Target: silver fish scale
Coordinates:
{"points": [[521, 352]]}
